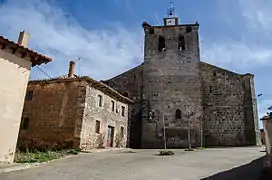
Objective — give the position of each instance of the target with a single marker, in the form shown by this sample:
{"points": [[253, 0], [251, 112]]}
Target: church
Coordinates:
{"points": [[180, 100]]}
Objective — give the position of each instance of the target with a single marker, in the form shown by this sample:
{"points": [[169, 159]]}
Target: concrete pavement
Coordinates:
{"points": [[212, 164]]}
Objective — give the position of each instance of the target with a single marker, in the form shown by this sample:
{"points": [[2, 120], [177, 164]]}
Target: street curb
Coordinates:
{"points": [[106, 150], [16, 168]]}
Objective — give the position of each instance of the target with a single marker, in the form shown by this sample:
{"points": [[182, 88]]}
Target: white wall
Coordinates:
{"points": [[14, 78]]}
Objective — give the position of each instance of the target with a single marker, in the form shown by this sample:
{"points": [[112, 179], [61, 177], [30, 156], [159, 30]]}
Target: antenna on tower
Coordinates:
{"points": [[171, 9]]}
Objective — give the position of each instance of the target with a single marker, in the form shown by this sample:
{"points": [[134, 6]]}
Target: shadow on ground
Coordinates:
{"points": [[251, 171]]}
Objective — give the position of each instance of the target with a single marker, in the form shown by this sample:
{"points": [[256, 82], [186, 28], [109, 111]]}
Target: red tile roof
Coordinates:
{"points": [[36, 58]]}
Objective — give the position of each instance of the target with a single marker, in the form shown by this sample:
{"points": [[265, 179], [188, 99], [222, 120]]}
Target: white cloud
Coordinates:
{"points": [[104, 52], [237, 56], [257, 14]]}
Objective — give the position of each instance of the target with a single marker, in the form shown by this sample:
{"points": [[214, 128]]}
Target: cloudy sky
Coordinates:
{"points": [[107, 35]]}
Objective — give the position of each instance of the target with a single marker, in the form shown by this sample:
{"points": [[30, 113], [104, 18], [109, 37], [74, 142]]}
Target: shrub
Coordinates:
{"points": [[166, 153]]}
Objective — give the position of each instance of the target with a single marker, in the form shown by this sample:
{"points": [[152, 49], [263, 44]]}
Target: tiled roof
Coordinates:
{"points": [[36, 58], [95, 84]]}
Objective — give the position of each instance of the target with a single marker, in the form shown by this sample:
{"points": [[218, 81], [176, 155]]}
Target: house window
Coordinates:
{"points": [[181, 44], [178, 114], [100, 98], [123, 111], [122, 132], [25, 123], [112, 106], [29, 95], [97, 126], [161, 45]]}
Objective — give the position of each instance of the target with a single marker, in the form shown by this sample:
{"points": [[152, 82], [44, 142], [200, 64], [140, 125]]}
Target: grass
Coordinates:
{"points": [[42, 156], [166, 153]]}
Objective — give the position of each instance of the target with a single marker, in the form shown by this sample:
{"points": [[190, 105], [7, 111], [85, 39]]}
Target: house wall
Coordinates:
{"points": [[131, 82], [89, 138], [267, 124], [55, 115], [15, 73]]}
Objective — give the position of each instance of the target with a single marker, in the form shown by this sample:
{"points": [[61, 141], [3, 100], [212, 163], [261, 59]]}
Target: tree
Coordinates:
{"points": [[191, 112]]}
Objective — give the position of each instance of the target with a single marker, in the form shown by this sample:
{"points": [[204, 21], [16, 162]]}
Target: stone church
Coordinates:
{"points": [[178, 97]]}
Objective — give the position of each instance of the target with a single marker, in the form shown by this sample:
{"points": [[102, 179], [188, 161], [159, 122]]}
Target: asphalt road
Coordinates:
{"points": [[210, 164]]}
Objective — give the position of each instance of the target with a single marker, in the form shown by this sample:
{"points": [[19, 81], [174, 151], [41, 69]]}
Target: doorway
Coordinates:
{"points": [[110, 136]]}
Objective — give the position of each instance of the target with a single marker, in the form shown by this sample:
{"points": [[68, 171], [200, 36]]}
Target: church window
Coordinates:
{"points": [[151, 30], [161, 45], [210, 88], [178, 114], [214, 73], [181, 43], [188, 29]]}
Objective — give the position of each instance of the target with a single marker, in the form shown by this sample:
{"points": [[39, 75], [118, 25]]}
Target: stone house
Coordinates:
{"points": [[172, 87], [73, 112], [16, 61]]}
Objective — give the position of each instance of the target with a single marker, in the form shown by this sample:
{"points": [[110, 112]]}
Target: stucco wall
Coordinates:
{"points": [[92, 113], [267, 123], [14, 79], [55, 113]]}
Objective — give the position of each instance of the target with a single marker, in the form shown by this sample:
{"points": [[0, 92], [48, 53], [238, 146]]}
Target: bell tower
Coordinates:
{"points": [[171, 84]]}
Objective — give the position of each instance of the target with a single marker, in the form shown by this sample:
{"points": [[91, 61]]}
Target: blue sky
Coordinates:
{"points": [[107, 35]]}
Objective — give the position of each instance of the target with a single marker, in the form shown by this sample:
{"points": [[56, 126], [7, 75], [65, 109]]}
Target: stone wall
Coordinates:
{"points": [[130, 83], [171, 83], [228, 100], [55, 113], [92, 113], [15, 73]]}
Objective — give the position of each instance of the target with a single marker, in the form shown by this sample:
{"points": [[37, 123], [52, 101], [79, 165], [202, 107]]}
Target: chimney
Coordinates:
{"points": [[23, 38], [71, 69]]}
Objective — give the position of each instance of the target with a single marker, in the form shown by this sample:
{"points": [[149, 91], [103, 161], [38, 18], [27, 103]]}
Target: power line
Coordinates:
{"points": [[44, 72]]}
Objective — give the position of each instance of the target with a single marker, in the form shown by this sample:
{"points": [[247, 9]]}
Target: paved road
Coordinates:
{"points": [[210, 164]]}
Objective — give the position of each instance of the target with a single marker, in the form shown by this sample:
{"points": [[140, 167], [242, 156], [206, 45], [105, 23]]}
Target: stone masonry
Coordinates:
{"points": [[176, 88], [64, 112]]}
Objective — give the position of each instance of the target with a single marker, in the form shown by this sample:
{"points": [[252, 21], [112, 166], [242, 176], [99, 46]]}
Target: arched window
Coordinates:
{"points": [[181, 43], [161, 45], [178, 114]]}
